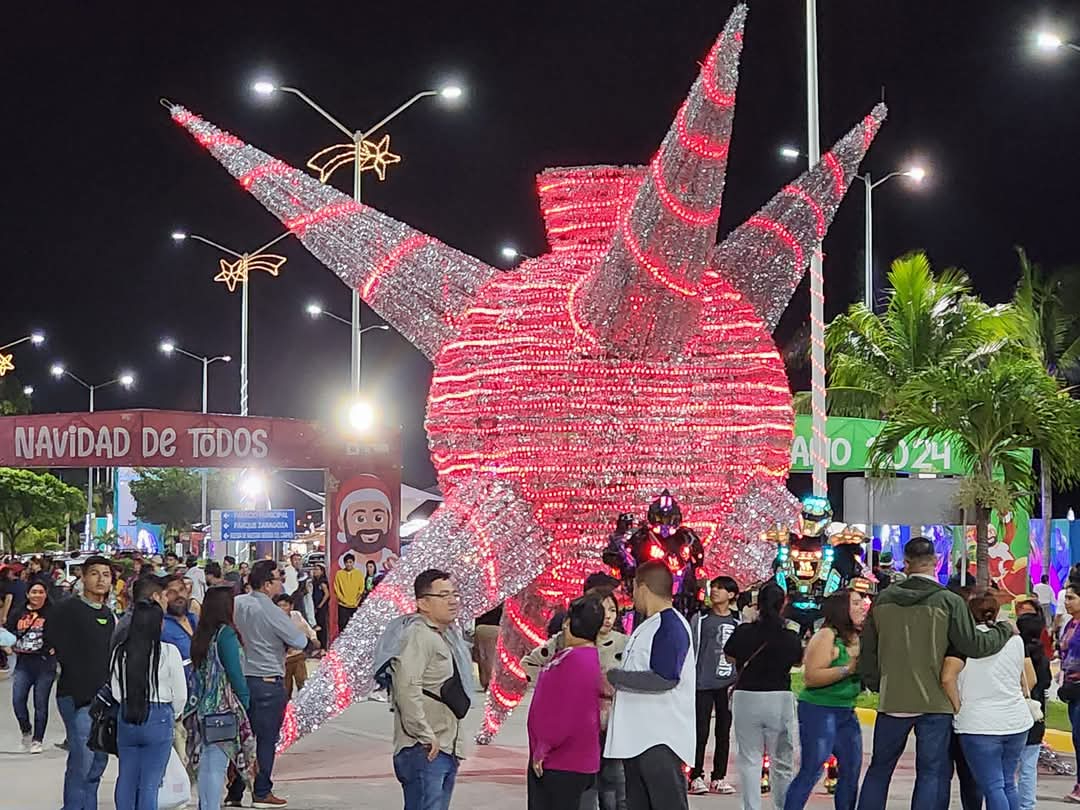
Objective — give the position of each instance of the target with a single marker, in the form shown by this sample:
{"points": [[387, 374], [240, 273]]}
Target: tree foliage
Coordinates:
{"points": [[12, 399], [173, 496], [35, 500], [990, 410]]}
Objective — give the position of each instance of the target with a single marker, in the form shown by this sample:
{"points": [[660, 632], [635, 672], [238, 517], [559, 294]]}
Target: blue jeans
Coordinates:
{"points": [[426, 785], [823, 731], [267, 710], [82, 776], [933, 733], [36, 673], [1028, 775], [993, 759], [213, 765], [144, 750]]}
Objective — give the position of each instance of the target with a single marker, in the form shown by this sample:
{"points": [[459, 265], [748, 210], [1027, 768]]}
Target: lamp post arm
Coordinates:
{"points": [[16, 342], [311, 103], [271, 243], [337, 318], [186, 353], [372, 130], [887, 177], [214, 244]]}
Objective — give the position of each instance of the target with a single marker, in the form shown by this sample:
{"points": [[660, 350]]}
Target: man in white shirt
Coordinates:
{"points": [[197, 577], [653, 722], [1045, 594]]}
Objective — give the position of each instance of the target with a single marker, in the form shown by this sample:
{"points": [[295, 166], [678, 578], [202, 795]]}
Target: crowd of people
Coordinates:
{"points": [[201, 662]]}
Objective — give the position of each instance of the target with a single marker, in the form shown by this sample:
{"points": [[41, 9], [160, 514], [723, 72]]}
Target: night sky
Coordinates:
{"points": [[98, 176]]}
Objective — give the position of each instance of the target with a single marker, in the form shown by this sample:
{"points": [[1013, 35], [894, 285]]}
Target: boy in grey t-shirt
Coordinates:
{"points": [[715, 675]]}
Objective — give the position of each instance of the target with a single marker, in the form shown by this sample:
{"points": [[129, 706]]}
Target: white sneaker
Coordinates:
{"points": [[26, 740], [698, 787], [721, 786], [36, 747]]}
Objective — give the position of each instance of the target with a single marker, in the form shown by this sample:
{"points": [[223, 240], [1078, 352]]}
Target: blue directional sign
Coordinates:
{"points": [[273, 526]]}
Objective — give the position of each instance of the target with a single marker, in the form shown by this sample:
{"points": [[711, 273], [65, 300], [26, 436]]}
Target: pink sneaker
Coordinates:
{"points": [[1074, 797]]}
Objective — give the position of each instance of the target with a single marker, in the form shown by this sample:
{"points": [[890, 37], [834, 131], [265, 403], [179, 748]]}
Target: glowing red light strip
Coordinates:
{"points": [[182, 116], [502, 699], [262, 170], [210, 140], [870, 127], [812, 204], [657, 271], [301, 223], [521, 624], [782, 233], [698, 142], [392, 259], [512, 666], [837, 170], [708, 80], [684, 212]]}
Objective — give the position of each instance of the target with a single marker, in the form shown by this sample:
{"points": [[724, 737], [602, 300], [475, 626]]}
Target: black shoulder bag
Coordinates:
{"points": [[452, 693], [104, 713]]}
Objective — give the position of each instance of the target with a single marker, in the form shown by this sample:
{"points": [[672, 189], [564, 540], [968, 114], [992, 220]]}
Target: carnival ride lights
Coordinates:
{"points": [[635, 355]]}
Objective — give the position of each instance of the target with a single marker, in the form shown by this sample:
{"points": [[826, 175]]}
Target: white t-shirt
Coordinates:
{"points": [[991, 699], [171, 685], [1044, 593]]}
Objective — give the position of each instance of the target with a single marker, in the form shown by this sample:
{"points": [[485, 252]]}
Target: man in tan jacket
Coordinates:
{"points": [[427, 734]]}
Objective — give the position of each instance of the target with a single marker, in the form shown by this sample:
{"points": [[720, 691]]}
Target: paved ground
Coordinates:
{"points": [[347, 765]]}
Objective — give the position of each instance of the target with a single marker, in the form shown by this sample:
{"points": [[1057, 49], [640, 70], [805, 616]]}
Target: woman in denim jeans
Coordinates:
{"points": [[35, 666], [1069, 691], [992, 718], [149, 684]]}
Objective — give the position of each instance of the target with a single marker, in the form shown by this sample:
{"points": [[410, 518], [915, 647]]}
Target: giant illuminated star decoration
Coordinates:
{"points": [[373, 157], [634, 356], [233, 273], [7, 363]]}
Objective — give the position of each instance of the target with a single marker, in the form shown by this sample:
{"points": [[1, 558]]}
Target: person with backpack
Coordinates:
{"points": [[430, 687]]}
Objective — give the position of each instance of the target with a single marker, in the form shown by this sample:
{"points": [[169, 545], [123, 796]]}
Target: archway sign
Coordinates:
{"points": [[363, 474]]}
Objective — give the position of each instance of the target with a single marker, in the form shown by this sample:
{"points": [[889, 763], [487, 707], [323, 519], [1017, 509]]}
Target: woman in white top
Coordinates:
{"points": [[992, 716], [149, 684]]}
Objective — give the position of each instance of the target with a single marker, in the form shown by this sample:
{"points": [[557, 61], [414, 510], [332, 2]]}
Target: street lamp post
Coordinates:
{"points": [[1049, 41], [7, 362], [316, 311], [917, 174], [126, 379], [169, 347], [358, 138], [239, 273]]}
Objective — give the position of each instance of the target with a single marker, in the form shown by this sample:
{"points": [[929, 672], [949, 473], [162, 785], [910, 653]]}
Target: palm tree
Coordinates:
{"points": [[929, 321], [1051, 332], [990, 410]]}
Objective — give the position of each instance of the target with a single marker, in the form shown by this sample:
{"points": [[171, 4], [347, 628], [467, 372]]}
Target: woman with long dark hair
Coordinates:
{"points": [[827, 721], [148, 682], [218, 689], [1037, 673], [320, 588], [35, 665], [762, 706]]}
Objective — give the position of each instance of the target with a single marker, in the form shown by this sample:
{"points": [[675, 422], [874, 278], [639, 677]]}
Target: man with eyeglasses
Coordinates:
{"points": [[433, 661], [268, 633]]}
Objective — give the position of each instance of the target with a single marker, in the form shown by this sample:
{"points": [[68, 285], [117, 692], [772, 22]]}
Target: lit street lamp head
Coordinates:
{"points": [[789, 152], [314, 310], [28, 391], [179, 236], [509, 252], [226, 358], [916, 173], [1047, 41], [264, 87], [451, 92], [57, 370], [37, 338], [361, 416], [167, 346], [127, 379]]}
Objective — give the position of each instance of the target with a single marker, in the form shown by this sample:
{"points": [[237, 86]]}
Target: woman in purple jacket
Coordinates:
{"points": [[564, 718]]}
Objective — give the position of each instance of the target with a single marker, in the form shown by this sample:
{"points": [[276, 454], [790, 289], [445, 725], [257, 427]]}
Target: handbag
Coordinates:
{"points": [[452, 693], [1069, 691], [220, 727], [104, 714]]}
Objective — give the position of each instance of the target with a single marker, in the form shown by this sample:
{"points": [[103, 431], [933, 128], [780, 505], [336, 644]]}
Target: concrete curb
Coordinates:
{"points": [[1060, 741]]}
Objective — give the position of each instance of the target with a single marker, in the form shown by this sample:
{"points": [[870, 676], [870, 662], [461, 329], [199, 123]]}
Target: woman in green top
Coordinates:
{"points": [[827, 721]]}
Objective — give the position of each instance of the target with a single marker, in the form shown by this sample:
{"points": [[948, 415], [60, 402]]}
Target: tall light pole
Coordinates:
{"points": [[818, 442], [126, 379], [317, 311], [364, 155], [235, 273], [169, 347], [916, 173]]}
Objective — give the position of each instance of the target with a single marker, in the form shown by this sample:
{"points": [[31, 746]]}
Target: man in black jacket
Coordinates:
{"points": [[80, 630]]}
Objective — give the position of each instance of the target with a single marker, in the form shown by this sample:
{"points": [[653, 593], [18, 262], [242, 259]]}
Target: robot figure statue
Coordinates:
{"points": [[660, 537], [804, 563]]}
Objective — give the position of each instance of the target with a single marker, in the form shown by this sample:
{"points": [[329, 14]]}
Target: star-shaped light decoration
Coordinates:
{"points": [[7, 363], [233, 273], [377, 156], [373, 157], [635, 356]]}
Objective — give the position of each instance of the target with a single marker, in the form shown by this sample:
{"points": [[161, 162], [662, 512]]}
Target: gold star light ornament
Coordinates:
{"points": [[233, 273], [374, 157], [7, 363]]}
